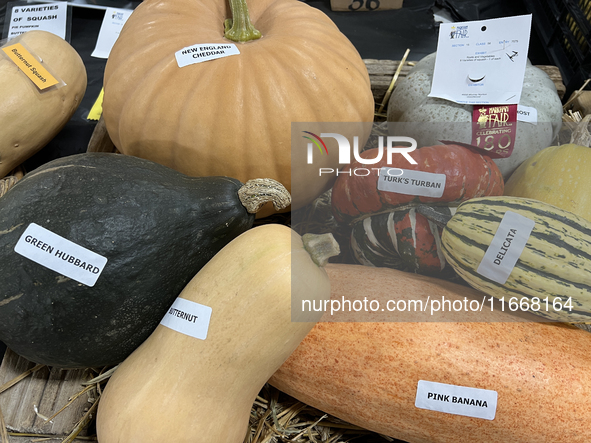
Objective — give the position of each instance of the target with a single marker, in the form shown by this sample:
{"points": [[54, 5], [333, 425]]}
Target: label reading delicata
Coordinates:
{"points": [[30, 66], [506, 247], [204, 52], [188, 317], [409, 182], [457, 400], [60, 255]]}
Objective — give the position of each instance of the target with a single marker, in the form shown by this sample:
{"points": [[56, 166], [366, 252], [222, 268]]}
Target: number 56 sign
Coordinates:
{"points": [[364, 5]]}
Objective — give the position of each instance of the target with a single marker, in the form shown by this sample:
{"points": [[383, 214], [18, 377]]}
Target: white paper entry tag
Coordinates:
{"points": [[50, 17], [204, 52], [111, 26], [482, 62], [188, 317], [60, 255], [527, 114], [457, 400], [506, 247], [409, 182]]}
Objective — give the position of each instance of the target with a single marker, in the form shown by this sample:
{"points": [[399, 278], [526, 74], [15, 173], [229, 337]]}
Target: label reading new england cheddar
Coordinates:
{"points": [[204, 52], [30, 66]]}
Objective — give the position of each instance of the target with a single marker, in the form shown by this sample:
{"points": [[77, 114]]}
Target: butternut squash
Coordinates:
{"points": [[367, 372], [30, 119], [181, 389]]}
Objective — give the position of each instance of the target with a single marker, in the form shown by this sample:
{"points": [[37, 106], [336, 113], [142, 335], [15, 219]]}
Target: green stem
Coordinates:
{"points": [[239, 28], [432, 214]]}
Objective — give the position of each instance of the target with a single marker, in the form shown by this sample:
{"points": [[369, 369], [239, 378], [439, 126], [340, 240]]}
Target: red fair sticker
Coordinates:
{"points": [[494, 128]]}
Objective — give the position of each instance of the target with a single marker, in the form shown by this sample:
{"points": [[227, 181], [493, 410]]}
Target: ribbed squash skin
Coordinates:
{"points": [[556, 261], [366, 373], [558, 175], [232, 116], [29, 119], [468, 173]]}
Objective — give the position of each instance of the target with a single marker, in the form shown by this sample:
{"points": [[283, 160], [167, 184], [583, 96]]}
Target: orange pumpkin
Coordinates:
{"points": [[232, 116]]}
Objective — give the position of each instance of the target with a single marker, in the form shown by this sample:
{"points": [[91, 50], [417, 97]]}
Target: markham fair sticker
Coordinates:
{"points": [[494, 128], [204, 52]]}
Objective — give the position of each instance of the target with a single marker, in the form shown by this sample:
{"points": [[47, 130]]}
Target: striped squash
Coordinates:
{"points": [[404, 240], [552, 275]]}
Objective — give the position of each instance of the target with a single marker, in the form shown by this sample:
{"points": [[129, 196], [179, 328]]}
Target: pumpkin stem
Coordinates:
{"points": [[321, 247], [239, 28], [7, 183], [259, 191], [432, 214]]}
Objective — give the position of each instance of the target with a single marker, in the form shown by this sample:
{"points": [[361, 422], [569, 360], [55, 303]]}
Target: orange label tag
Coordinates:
{"points": [[31, 67]]}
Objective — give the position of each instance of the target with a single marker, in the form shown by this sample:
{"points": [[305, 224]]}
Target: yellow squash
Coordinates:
{"points": [[558, 175]]}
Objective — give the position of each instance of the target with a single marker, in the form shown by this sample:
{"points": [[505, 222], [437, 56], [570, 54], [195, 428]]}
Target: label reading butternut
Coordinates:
{"points": [[188, 318]]}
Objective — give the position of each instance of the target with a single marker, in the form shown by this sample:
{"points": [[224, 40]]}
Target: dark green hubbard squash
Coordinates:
{"points": [[155, 226]]}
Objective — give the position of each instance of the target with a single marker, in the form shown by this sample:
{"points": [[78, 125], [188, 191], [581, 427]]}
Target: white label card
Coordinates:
{"points": [[111, 26], [457, 400], [60, 255], [204, 52], [506, 247], [50, 17], [188, 317], [482, 62], [527, 114], [409, 182]]}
